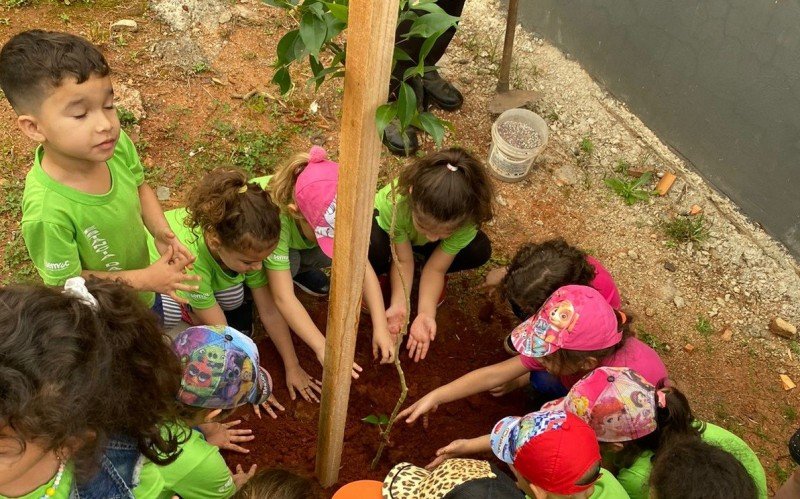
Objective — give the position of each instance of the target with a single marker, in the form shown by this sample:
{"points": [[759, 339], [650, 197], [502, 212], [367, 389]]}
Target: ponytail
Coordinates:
{"points": [[240, 213], [282, 184]]}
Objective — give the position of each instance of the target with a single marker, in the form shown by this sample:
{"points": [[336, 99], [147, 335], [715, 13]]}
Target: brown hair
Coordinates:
{"points": [[282, 183], [448, 197], [277, 484], [35, 61], [72, 374], [241, 213], [539, 269]]}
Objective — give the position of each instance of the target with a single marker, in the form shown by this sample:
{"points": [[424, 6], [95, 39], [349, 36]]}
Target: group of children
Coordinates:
{"points": [[95, 403]]}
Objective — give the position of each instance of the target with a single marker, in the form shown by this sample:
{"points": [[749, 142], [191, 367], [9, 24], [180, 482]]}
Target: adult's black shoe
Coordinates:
{"points": [[403, 143], [441, 92], [313, 282]]}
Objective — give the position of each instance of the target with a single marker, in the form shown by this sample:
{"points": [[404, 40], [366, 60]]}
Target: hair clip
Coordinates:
{"points": [[452, 168], [243, 189], [76, 287], [622, 317], [662, 398]]}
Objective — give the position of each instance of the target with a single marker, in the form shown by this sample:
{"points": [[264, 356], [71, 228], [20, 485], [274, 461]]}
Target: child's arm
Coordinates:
{"points": [[212, 316], [278, 330], [790, 489], [396, 313], [461, 447], [282, 288], [473, 382], [153, 218], [382, 341], [431, 283]]}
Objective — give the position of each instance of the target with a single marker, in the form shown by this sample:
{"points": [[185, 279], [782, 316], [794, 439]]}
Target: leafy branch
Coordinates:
{"points": [[317, 40]]}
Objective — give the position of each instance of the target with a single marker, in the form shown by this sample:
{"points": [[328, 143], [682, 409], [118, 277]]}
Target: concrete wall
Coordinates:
{"points": [[718, 80]]}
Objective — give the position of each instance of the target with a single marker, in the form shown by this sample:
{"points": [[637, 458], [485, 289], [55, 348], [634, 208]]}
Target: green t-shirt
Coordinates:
{"points": [[404, 229], [67, 231], [199, 472], [214, 277], [606, 487], [636, 478], [62, 491], [291, 237]]}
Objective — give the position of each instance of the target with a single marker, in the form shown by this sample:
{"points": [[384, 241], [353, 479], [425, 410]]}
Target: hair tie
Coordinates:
{"points": [[662, 399], [242, 189], [623, 319], [452, 168], [76, 287]]}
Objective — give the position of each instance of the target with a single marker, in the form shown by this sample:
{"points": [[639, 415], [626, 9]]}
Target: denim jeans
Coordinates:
{"points": [[118, 473]]}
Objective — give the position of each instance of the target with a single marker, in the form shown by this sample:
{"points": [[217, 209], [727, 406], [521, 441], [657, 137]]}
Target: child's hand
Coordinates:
{"points": [[223, 436], [268, 405], [166, 238], [383, 344], [421, 407], [456, 448], [166, 275], [241, 477], [422, 332], [494, 278], [298, 379], [321, 358], [395, 317]]}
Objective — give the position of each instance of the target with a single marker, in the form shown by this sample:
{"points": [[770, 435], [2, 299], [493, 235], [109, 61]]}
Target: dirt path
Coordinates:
{"points": [[188, 73]]}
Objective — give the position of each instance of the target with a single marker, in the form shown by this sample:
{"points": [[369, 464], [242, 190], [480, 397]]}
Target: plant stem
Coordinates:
{"points": [[403, 330]]}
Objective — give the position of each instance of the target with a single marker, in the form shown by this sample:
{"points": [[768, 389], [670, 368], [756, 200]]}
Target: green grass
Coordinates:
{"points": [[651, 340], [790, 414], [704, 326], [630, 190], [200, 67], [684, 229], [126, 117], [586, 146], [15, 3], [17, 266]]}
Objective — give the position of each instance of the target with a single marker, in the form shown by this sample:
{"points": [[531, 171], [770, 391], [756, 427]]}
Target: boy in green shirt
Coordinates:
{"points": [[86, 207]]}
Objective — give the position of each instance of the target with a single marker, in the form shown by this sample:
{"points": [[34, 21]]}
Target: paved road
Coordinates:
{"points": [[718, 80]]}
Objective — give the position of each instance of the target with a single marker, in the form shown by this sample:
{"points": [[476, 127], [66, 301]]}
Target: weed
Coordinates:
{"points": [[553, 116], [255, 149], [200, 67], [126, 117], [651, 340], [794, 346], [586, 146], [780, 473], [721, 412], [630, 190], [17, 266], [141, 147], [790, 414], [120, 40], [622, 167], [15, 3], [684, 229], [257, 104], [223, 128], [64, 17], [703, 326]]}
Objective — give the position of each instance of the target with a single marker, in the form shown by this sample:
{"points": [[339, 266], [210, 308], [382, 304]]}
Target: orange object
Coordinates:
{"points": [[665, 184], [362, 489], [688, 348], [787, 382], [695, 210]]}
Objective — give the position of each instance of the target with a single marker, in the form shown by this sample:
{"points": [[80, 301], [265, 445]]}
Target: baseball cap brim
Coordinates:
{"points": [[555, 405], [326, 245], [263, 389]]}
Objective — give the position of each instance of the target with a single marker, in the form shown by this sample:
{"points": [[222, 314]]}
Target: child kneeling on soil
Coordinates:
{"points": [[574, 332], [305, 191], [441, 202], [689, 468], [634, 420], [232, 226], [221, 371]]}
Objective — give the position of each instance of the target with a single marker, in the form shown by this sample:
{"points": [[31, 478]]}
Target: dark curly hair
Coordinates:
{"points": [[72, 374], [539, 269], [34, 62]]}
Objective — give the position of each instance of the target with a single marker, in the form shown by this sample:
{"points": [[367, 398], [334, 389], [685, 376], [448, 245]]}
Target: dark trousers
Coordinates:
{"points": [[475, 254], [413, 45]]}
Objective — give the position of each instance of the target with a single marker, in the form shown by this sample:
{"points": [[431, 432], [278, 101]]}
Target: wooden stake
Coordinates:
{"points": [[508, 46], [370, 43]]}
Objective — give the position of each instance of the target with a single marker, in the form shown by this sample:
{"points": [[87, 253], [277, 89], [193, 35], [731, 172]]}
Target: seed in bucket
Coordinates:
{"points": [[519, 135]]}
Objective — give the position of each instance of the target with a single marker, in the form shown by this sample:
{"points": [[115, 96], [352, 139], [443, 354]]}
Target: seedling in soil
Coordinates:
{"points": [[200, 67], [630, 190], [622, 167], [704, 326], [586, 146], [379, 420], [687, 229], [790, 414], [126, 118], [651, 340], [64, 18]]}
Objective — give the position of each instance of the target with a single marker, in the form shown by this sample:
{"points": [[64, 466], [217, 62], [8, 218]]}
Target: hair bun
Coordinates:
{"points": [[317, 155]]}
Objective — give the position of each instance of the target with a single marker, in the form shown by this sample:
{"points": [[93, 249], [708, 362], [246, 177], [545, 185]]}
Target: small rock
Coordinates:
{"points": [[679, 301], [695, 209], [501, 200], [633, 255], [670, 266], [125, 25], [649, 312], [566, 174], [225, 17], [688, 348], [782, 327], [162, 193], [726, 335], [787, 382]]}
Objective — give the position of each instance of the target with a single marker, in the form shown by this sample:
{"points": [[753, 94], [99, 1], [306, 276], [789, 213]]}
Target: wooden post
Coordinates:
{"points": [[508, 46], [370, 44]]}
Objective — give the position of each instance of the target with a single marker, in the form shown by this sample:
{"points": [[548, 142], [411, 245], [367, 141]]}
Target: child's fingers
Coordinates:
{"points": [[237, 448], [292, 394], [257, 410], [252, 471], [375, 349], [241, 435], [231, 424], [425, 421], [315, 385], [239, 469], [211, 415], [174, 296], [270, 411]]}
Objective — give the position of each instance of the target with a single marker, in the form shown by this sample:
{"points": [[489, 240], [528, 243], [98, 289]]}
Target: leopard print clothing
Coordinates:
{"points": [[406, 481]]}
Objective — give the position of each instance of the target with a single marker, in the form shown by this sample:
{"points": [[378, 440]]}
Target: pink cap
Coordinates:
{"points": [[617, 402], [574, 317], [315, 195]]}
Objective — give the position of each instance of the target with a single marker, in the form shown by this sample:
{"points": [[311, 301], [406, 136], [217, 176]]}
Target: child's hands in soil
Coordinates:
{"points": [[241, 477], [383, 346], [268, 405], [321, 358], [395, 317], [422, 332], [298, 379], [456, 448], [494, 278], [223, 435], [421, 407]]}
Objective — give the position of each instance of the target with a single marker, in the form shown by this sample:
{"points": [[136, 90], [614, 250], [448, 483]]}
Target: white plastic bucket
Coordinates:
{"points": [[509, 163]]}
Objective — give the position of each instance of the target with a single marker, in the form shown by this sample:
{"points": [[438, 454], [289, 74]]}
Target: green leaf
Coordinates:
{"points": [[282, 4], [384, 419], [427, 5], [340, 12], [643, 180], [316, 66], [372, 419], [431, 23], [431, 125], [401, 55], [383, 116], [417, 70], [333, 27], [406, 105], [290, 48], [427, 45], [615, 184], [312, 32], [283, 79]]}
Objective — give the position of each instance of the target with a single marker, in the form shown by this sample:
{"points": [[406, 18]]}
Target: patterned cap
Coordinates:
{"points": [[453, 479], [220, 368], [315, 195], [617, 402], [553, 450], [574, 317]]}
